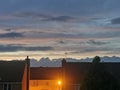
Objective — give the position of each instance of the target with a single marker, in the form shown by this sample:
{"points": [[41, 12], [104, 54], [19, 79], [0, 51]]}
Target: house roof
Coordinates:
{"points": [[75, 72], [45, 73], [11, 71]]}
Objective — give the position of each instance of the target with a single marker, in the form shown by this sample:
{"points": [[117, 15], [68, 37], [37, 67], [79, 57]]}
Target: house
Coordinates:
{"points": [[17, 75], [74, 72], [45, 78], [14, 75]]}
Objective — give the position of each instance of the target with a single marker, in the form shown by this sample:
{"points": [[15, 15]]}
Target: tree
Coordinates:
{"points": [[96, 59], [98, 78]]}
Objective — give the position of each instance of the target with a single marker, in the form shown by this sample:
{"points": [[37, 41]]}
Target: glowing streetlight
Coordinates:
{"points": [[59, 82]]}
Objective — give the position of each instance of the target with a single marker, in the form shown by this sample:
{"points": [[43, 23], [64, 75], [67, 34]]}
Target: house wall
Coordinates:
{"points": [[44, 85], [24, 79]]}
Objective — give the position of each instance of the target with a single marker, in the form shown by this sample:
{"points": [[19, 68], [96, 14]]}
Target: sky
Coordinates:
{"points": [[59, 28]]}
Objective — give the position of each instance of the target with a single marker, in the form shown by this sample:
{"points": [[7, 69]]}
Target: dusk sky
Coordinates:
{"points": [[51, 28]]}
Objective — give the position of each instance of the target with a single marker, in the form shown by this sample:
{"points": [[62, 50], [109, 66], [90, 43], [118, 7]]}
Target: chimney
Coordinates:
{"points": [[28, 72], [63, 72]]}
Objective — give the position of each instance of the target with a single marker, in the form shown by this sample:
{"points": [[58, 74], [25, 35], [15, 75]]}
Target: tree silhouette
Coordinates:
{"points": [[96, 60], [98, 78]]}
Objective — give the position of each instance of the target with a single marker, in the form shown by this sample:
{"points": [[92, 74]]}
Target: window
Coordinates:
{"points": [[7, 87]]}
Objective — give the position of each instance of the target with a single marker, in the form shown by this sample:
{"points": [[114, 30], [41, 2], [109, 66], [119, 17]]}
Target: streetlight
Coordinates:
{"points": [[59, 84]]}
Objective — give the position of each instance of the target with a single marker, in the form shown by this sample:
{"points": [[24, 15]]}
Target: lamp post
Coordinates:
{"points": [[59, 85]]}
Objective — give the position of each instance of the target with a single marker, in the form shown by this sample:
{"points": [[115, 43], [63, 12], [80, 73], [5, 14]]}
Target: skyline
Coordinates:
{"points": [[51, 28]]}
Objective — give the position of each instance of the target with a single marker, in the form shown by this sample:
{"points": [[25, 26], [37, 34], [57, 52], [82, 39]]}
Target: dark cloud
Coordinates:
{"points": [[93, 42], [60, 19], [105, 50], [75, 52], [42, 34], [57, 35], [115, 21], [111, 34], [83, 35], [94, 49], [32, 15], [11, 35], [107, 34], [62, 42], [8, 29], [12, 48], [44, 48], [45, 17]]}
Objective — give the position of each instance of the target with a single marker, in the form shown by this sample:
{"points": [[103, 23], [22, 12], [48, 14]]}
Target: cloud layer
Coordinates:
{"points": [[11, 35], [14, 48], [78, 27]]}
